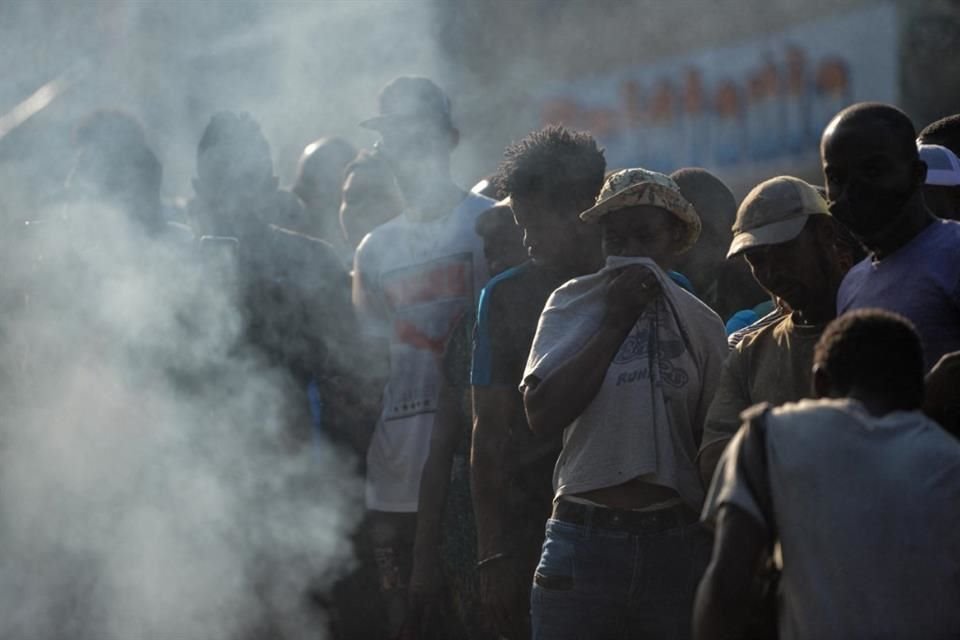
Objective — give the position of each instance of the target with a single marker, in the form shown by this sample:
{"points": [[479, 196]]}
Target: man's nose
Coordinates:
{"points": [[765, 271], [838, 194], [761, 264]]}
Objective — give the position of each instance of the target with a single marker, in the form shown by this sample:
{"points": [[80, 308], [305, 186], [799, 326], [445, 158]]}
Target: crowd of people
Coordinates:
{"points": [[600, 402]]}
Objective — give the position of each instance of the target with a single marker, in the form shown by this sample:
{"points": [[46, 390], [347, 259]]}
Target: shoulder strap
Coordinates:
{"points": [[752, 461]]}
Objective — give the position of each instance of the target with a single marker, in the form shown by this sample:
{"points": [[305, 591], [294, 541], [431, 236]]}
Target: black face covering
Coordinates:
{"points": [[868, 210]]}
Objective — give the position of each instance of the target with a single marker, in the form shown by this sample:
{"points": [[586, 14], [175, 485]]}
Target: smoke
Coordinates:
{"points": [[157, 477], [303, 70], [154, 479]]}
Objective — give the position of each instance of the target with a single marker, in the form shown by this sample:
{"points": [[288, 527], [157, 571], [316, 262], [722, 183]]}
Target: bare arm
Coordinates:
{"points": [[732, 398], [434, 485], [709, 458], [504, 578], [555, 401], [724, 594], [369, 361], [493, 409]]}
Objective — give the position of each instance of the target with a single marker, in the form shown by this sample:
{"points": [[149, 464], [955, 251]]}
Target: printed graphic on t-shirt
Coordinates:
{"points": [[637, 347], [426, 302]]}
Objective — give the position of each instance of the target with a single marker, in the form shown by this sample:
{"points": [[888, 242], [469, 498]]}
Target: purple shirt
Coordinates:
{"points": [[920, 281]]}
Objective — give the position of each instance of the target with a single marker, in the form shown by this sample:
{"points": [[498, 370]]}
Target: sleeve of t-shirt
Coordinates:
{"points": [[480, 361], [848, 286], [541, 358], [730, 400], [730, 486], [494, 357], [367, 294], [714, 356]]}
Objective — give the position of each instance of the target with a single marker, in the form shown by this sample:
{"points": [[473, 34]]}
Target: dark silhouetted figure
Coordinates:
{"points": [[368, 199], [115, 172], [320, 174], [550, 177], [414, 278], [724, 285], [874, 179], [444, 574], [862, 458]]}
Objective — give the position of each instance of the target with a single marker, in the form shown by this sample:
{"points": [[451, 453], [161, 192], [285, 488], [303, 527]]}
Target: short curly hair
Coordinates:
{"points": [[555, 161], [875, 350], [945, 132]]}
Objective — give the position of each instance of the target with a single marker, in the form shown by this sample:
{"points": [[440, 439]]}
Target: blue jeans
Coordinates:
{"points": [[598, 583]]}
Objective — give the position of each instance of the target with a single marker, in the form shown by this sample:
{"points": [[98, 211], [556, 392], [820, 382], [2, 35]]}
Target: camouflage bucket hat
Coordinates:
{"points": [[636, 187]]}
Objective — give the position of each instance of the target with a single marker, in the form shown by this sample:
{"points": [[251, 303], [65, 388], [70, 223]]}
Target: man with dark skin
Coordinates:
{"points": [[861, 459], [116, 167], [874, 179], [368, 197], [551, 176], [622, 365], [236, 191], [787, 237], [873, 176], [320, 174], [723, 285], [444, 559]]}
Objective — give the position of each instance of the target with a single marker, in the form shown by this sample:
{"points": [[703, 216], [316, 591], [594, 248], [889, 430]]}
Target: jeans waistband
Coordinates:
{"points": [[672, 517]]}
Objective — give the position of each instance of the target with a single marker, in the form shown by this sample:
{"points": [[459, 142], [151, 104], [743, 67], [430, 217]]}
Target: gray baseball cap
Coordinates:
{"points": [[775, 211], [411, 99]]}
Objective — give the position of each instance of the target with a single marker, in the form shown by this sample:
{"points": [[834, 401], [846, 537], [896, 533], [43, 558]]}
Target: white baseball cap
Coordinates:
{"points": [[943, 165]]}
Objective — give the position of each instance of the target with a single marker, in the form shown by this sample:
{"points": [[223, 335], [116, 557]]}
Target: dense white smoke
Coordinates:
{"points": [[157, 479], [153, 481]]}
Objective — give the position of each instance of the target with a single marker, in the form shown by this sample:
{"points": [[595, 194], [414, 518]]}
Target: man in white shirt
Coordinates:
{"points": [[861, 490], [414, 278]]}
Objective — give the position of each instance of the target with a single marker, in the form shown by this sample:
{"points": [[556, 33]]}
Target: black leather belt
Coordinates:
{"points": [[672, 517]]}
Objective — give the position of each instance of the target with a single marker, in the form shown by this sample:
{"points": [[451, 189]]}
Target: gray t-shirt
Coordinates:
{"points": [[867, 511], [647, 418]]}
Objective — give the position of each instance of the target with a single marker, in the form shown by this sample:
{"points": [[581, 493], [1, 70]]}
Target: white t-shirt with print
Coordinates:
{"points": [[646, 420], [415, 282]]}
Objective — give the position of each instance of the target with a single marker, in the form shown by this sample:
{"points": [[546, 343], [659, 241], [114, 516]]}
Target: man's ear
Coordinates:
{"points": [[827, 232], [821, 382], [920, 172]]}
